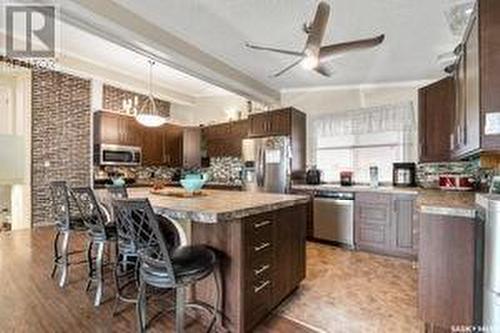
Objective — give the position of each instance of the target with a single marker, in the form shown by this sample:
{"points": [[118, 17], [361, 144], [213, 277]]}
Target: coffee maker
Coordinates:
{"points": [[403, 174], [313, 176]]}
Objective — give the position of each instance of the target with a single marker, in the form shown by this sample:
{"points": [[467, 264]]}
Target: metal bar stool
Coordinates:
{"points": [[66, 223], [100, 234], [125, 271], [163, 267], [126, 267]]}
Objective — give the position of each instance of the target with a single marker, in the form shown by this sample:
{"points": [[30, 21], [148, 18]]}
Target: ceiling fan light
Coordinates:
{"points": [[310, 62], [150, 120]]}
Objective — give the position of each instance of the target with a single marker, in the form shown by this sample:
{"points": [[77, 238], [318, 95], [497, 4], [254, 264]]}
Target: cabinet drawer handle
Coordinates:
{"points": [[261, 286], [261, 247], [261, 269], [259, 225]]}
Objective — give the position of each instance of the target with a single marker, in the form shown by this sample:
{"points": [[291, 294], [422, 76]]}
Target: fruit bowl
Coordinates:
{"points": [[192, 185]]}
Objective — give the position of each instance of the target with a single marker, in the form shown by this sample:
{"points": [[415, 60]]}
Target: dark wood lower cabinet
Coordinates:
{"points": [[310, 210], [446, 279], [263, 261]]}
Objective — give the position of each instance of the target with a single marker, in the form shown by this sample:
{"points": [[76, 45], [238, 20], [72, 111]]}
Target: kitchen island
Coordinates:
{"points": [[261, 241]]}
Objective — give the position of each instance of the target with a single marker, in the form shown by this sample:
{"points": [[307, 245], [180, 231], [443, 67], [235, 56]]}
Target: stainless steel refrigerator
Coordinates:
{"points": [[267, 164]]}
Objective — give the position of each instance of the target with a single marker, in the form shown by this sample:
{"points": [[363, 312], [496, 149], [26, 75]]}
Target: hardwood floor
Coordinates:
{"points": [[30, 301], [344, 291]]}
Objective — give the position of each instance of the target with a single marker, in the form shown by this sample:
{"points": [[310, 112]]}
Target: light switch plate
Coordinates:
{"points": [[492, 123]]}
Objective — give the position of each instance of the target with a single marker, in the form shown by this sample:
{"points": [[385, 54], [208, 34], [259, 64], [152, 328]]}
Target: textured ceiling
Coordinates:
{"points": [[417, 32]]}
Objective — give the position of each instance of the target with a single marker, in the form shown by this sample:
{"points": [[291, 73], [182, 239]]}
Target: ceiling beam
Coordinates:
{"points": [[119, 79], [117, 24], [74, 64]]}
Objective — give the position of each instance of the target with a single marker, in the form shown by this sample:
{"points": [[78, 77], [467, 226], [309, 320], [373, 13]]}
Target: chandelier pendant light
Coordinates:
{"points": [[148, 114]]}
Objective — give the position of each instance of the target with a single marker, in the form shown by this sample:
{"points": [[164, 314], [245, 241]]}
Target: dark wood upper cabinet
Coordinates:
{"points": [[113, 128], [152, 146], [489, 67], [465, 135], [260, 125], [272, 123], [288, 121], [173, 145], [478, 84], [160, 146], [436, 113], [472, 89], [191, 147], [224, 139]]}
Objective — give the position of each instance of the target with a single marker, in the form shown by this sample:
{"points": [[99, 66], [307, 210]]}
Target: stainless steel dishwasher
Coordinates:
{"points": [[334, 217]]}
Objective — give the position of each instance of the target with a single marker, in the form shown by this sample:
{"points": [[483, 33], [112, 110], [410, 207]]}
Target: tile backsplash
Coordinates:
{"points": [[221, 170], [225, 169], [428, 173]]}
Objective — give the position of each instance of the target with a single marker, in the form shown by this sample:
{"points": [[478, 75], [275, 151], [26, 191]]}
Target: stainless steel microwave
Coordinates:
{"points": [[107, 154]]}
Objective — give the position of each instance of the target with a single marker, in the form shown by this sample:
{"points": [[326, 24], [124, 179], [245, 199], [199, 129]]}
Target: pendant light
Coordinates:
{"points": [[148, 114]]}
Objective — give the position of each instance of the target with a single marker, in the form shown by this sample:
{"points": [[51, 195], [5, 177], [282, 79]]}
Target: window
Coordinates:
{"points": [[357, 140]]}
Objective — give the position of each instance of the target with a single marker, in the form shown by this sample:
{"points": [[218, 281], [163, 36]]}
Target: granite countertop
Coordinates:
{"points": [[216, 205], [429, 201], [356, 188], [460, 204], [150, 182]]}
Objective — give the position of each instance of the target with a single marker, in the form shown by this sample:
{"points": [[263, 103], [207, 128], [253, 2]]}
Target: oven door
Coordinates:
{"points": [[120, 155]]}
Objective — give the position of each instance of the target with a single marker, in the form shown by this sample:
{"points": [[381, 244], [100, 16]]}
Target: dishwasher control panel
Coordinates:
{"points": [[335, 195]]}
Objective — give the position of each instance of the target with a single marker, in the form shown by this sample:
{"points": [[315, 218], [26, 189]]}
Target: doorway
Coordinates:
{"points": [[15, 147]]}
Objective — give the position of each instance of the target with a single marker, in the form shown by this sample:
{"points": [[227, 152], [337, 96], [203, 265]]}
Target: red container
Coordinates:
{"points": [[456, 182], [346, 178]]}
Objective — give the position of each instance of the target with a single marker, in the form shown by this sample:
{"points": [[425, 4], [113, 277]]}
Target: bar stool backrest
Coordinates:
{"points": [[60, 204], [89, 210], [137, 223]]}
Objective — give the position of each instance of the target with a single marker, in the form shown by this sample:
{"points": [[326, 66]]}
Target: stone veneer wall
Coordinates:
{"points": [[61, 134], [112, 100]]}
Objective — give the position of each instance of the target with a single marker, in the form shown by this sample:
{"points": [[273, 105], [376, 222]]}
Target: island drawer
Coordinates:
{"points": [[260, 266], [259, 224], [259, 295], [259, 231]]}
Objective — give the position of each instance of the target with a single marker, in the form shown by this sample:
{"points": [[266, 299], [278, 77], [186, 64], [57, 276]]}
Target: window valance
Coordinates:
{"points": [[385, 118]]}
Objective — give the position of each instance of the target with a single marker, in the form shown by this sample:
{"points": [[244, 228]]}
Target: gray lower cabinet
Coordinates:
{"points": [[386, 223], [405, 224], [372, 221]]}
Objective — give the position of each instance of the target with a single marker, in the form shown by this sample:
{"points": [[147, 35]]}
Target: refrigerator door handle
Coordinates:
{"points": [[259, 168], [263, 167]]}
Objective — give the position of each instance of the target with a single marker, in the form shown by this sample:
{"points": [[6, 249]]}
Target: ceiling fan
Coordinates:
{"points": [[314, 56]]}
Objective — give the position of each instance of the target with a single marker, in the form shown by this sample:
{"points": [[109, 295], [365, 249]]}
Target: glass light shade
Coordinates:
{"points": [[150, 120], [13, 159], [310, 62]]}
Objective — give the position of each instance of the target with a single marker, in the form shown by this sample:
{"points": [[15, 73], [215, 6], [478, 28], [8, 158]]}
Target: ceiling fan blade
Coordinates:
{"points": [[330, 50], [323, 70], [316, 30], [272, 49], [287, 68]]}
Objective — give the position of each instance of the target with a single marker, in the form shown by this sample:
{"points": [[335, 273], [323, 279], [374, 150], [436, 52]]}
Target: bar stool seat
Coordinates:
{"points": [[67, 222], [165, 267], [190, 263], [75, 224], [108, 233]]}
